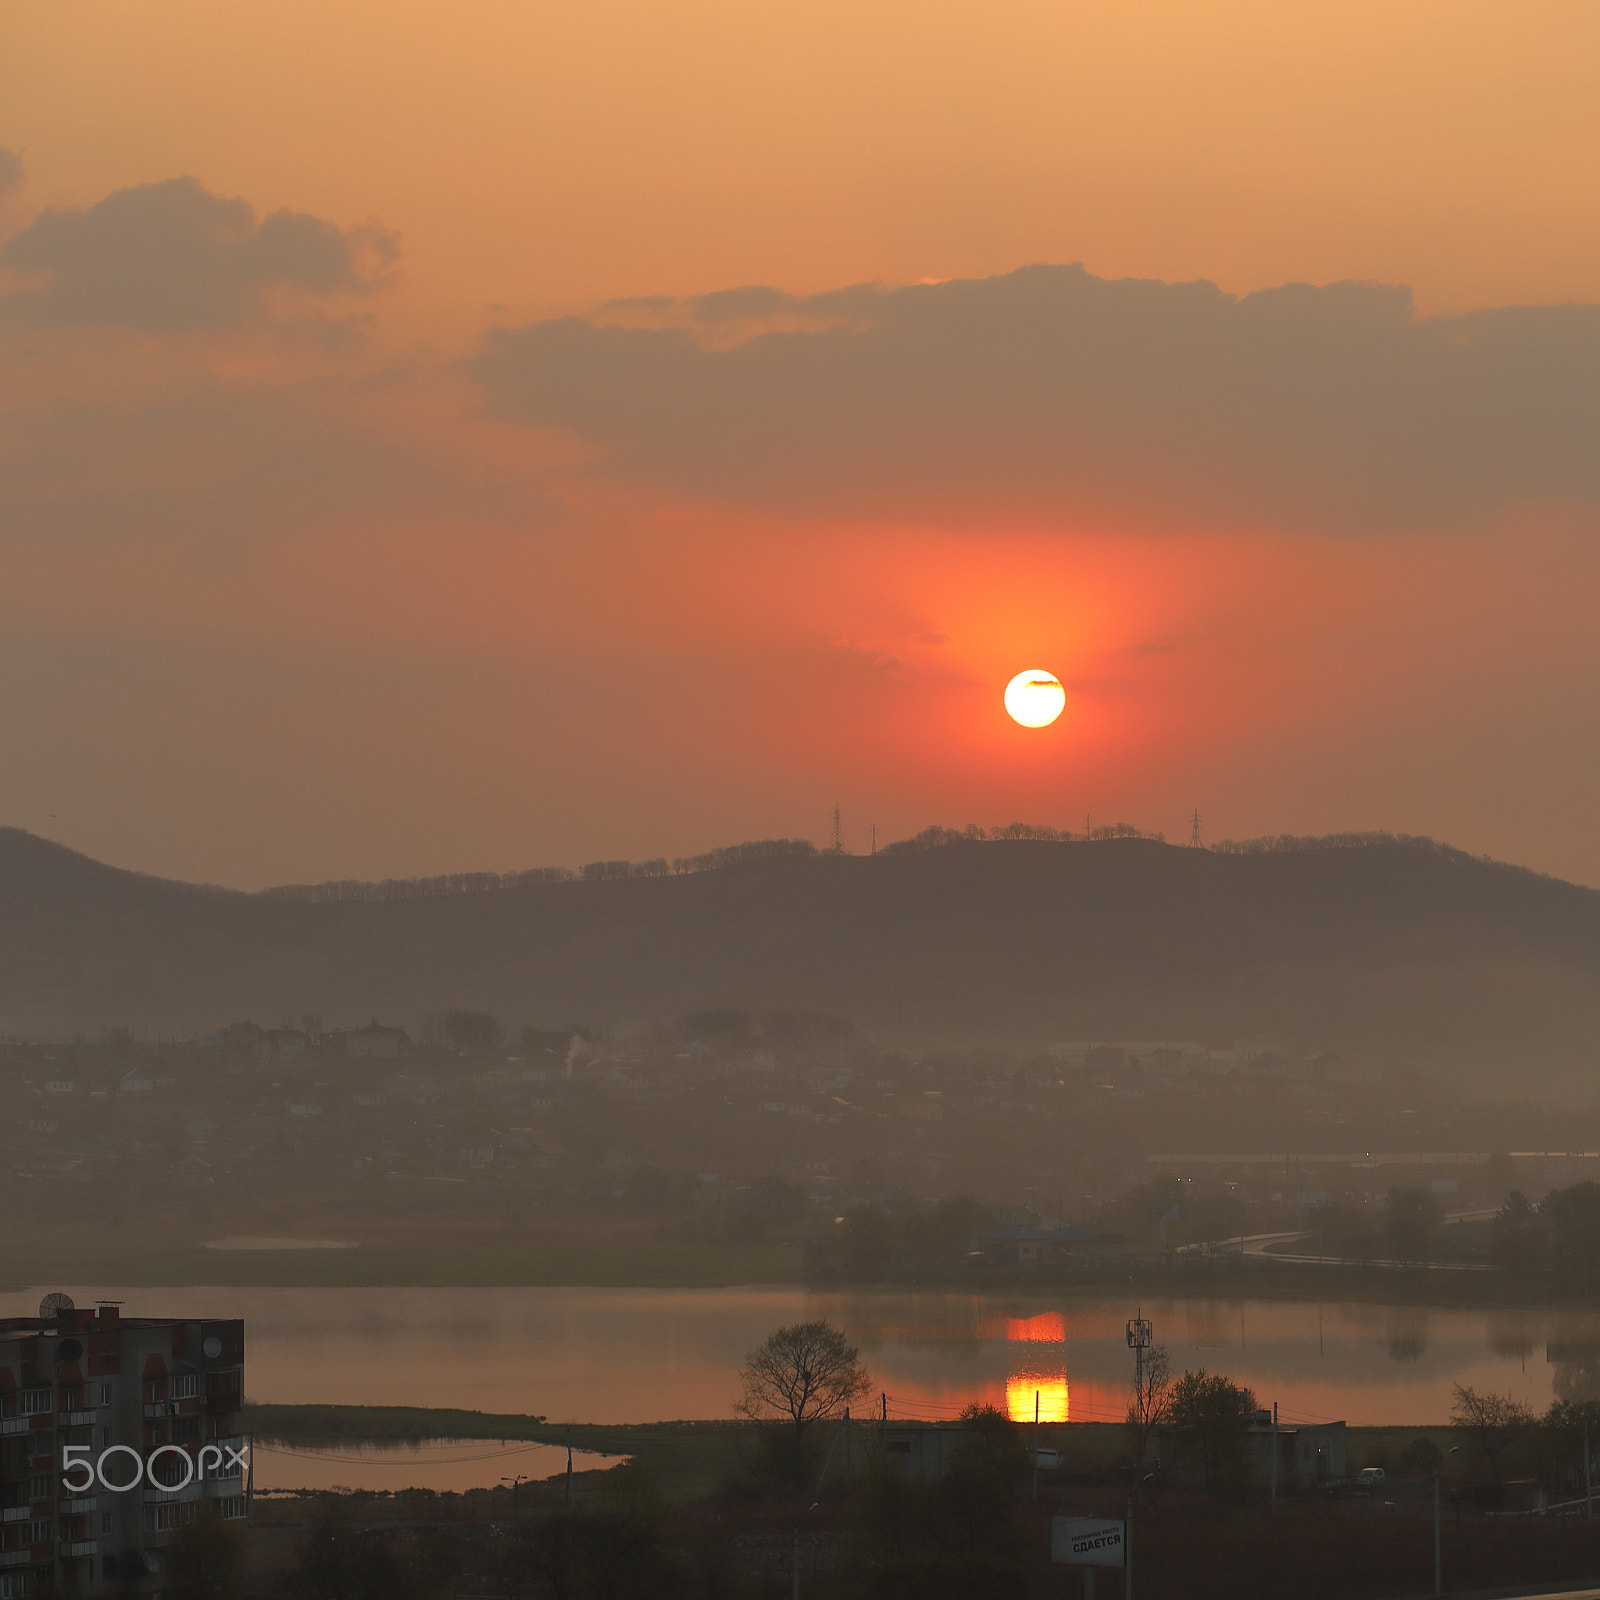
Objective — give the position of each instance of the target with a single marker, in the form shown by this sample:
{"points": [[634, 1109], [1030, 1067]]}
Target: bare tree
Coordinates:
{"points": [[1496, 1426], [1151, 1405], [801, 1374]]}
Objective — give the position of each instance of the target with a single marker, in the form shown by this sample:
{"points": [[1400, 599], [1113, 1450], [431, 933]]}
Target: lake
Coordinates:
{"points": [[643, 1355]]}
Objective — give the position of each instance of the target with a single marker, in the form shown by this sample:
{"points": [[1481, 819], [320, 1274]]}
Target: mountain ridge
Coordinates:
{"points": [[1392, 952]]}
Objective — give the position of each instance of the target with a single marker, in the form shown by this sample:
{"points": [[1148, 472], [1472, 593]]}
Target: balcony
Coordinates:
{"points": [[76, 1419], [160, 1408], [15, 1424], [79, 1547], [15, 1558], [16, 1514], [73, 1508], [161, 1497]]}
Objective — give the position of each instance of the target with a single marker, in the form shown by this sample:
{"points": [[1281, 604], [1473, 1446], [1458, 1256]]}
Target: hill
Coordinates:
{"points": [[1393, 952]]}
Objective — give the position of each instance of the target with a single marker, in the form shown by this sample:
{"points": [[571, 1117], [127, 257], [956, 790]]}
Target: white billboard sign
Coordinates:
{"points": [[1088, 1541]]}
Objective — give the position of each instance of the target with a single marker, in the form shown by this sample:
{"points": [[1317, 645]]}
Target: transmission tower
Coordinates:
{"points": [[838, 832], [1194, 832]]}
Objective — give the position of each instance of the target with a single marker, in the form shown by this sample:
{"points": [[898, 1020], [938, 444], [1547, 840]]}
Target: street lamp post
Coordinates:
{"points": [[1438, 1561], [516, 1580]]}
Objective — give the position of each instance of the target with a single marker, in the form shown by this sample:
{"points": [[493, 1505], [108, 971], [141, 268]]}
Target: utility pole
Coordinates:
{"points": [[1035, 1444], [1274, 1455], [569, 1467], [794, 1546], [1588, 1485], [874, 838], [847, 1447]]}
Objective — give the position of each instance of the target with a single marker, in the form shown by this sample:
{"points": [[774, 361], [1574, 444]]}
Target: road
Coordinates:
{"points": [[1260, 1244]]}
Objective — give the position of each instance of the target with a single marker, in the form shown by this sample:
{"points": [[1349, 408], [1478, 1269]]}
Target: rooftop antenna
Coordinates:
{"points": [[1194, 832]]}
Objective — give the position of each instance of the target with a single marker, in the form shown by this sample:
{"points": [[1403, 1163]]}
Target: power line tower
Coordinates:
{"points": [[1194, 832], [838, 832], [874, 838]]}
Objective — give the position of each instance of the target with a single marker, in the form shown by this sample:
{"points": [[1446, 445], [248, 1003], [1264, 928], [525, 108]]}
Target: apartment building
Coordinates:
{"points": [[114, 1432]]}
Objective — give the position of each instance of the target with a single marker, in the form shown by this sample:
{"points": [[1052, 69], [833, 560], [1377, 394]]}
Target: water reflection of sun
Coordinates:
{"points": [[1049, 1327], [1052, 1392]]}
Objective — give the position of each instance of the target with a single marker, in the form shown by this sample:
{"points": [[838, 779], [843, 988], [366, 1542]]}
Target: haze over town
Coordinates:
{"points": [[799, 799]]}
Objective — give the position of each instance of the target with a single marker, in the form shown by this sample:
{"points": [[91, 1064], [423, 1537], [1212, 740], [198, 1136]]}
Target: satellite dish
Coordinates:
{"points": [[212, 1348], [69, 1350], [56, 1305]]}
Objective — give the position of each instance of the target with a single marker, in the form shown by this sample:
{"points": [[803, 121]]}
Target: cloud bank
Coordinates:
{"points": [[1052, 395], [171, 257]]}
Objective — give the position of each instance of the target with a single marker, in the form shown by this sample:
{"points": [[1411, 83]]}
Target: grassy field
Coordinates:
{"points": [[448, 1249], [175, 1254]]}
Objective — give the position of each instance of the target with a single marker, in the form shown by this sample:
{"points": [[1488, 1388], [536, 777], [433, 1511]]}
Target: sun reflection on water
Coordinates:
{"points": [[1049, 1327], [1054, 1398]]}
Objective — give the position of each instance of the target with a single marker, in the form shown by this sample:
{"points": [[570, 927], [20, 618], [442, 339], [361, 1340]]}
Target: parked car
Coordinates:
{"points": [[1371, 1477]]}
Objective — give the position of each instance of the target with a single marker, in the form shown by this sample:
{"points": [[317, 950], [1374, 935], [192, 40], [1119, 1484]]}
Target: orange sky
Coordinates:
{"points": [[312, 573]]}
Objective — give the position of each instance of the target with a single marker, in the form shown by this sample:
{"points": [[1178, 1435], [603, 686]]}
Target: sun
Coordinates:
{"points": [[1035, 698]]}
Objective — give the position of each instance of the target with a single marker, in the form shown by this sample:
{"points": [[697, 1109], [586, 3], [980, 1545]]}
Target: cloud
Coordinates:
{"points": [[219, 472], [170, 257], [10, 170], [1052, 395]]}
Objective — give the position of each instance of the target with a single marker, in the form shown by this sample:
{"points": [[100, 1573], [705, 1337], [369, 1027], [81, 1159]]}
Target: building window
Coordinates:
{"points": [[35, 1401], [163, 1519], [184, 1386], [170, 1473], [105, 1522], [105, 1394], [39, 1487], [35, 1532], [233, 1507]]}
